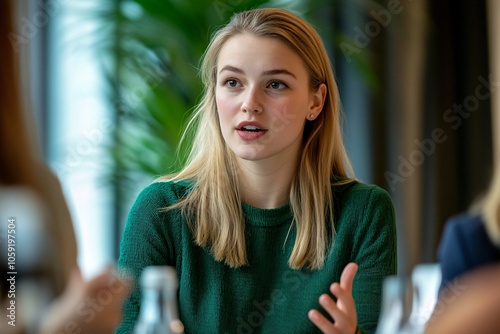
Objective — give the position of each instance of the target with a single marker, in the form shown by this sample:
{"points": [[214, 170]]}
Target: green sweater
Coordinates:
{"points": [[266, 296]]}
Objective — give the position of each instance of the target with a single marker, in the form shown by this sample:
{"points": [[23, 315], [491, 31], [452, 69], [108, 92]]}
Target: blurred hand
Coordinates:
{"points": [[344, 311], [93, 306]]}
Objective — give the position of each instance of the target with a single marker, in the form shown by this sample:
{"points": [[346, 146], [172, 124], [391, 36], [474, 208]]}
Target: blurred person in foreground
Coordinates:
{"points": [[469, 254], [43, 238]]}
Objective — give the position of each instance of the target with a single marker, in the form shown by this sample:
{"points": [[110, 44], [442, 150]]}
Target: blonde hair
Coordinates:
{"points": [[491, 208], [213, 204]]}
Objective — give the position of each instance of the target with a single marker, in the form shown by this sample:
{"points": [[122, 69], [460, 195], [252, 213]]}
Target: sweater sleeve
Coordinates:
{"points": [[148, 239], [375, 252]]}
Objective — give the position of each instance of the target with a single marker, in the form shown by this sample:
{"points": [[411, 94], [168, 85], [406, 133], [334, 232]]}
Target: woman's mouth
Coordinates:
{"points": [[248, 131], [251, 128]]}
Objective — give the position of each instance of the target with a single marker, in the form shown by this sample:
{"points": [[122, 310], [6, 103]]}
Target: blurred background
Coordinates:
{"points": [[112, 82]]}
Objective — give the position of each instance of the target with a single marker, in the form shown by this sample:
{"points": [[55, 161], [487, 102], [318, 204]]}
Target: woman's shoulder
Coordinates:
{"points": [[466, 231], [165, 192], [466, 222], [358, 193], [367, 204], [364, 213]]}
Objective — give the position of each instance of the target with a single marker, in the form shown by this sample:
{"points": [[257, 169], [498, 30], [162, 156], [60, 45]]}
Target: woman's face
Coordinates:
{"points": [[263, 98]]}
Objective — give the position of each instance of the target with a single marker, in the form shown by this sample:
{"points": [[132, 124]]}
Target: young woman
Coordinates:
{"points": [[263, 225]]}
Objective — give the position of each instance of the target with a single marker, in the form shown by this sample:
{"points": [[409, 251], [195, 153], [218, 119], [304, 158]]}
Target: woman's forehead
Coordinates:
{"points": [[247, 52]]}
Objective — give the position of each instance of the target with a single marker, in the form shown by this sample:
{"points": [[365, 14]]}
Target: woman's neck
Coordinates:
{"points": [[266, 184]]}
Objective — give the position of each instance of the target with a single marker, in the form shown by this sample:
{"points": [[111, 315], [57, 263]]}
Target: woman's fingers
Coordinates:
{"points": [[347, 276], [321, 322], [343, 291], [343, 312], [345, 302], [338, 315]]}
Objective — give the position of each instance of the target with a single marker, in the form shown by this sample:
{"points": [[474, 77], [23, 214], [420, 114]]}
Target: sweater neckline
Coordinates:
{"points": [[267, 217]]}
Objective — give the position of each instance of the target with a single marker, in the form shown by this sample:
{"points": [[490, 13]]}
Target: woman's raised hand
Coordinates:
{"points": [[344, 311]]}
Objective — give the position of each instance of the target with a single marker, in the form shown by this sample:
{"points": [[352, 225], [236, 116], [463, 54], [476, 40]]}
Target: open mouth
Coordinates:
{"points": [[251, 128]]}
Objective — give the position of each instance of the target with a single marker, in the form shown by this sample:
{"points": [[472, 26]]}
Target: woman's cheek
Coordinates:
{"points": [[226, 107]]}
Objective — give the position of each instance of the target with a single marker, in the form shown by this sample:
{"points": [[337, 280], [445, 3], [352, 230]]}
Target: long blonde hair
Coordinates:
{"points": [[491, 208], [213, 204]]}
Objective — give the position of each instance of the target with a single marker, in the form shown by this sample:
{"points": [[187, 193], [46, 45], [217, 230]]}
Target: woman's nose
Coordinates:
{"points": [[251, 102]]}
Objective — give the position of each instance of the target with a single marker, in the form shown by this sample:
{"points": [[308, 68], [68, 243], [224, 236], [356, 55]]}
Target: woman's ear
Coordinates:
{"points": [[317, 100]]}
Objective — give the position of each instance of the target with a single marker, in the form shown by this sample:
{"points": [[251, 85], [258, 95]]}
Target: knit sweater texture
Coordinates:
{"points": [[267, 296]]}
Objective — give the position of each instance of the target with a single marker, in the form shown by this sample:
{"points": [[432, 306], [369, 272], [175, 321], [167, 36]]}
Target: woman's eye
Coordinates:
{"points": [[231, 83], [277, 85]]}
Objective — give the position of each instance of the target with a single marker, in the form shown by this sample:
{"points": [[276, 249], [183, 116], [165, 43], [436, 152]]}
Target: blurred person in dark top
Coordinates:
{"points": [[472, 240]]}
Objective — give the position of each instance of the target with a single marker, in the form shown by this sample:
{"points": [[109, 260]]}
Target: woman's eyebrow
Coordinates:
{"points": [[279, 71], [265, 73], [231, 69]]}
